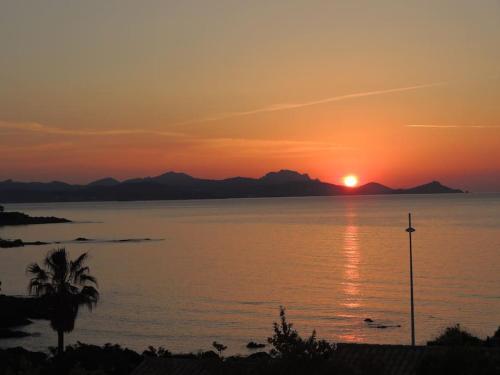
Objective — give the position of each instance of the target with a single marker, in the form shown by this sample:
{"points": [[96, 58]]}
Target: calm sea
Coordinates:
{"points": [[224, 267]]}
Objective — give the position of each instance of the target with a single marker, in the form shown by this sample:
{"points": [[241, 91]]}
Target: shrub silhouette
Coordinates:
{"points": [[219, 347], [288, 344], [92, 359], [161, 352], [495, 339], [456, 336]]}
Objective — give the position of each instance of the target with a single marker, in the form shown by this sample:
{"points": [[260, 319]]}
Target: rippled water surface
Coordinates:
{"points": [[224, 267]]}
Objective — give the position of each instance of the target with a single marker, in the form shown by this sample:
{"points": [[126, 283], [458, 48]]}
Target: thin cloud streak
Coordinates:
{"points": [[454, 126], [248, 145], [40, 128], [285, 106], [43, 147], [272, 146]]}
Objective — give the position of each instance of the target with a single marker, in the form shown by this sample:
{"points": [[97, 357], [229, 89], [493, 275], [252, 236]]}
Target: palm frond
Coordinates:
{"points": [[89, 296], [77, 274], [37, 272], [57, 262], [78, 263], [88, 279], [71, 289], [40, 288]]}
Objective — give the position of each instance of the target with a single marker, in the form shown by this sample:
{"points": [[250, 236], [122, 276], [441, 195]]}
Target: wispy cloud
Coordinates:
{"points": [[438, 126], [271, 147], [40, 128], [286, 106], [244, 146], [42, 147]]}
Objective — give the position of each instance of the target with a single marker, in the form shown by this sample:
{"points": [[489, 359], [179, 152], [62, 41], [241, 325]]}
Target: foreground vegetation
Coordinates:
{"points": [[61, 286], [455, 351]]}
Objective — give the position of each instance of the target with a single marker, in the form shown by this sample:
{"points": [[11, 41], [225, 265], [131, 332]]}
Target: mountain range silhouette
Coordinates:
{"points": [[175, 185]]}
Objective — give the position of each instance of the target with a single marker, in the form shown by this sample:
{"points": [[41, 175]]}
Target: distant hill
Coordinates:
{"points": [[174, 185], [284, 177], [433, 187], [108, 181], [373, 188]]}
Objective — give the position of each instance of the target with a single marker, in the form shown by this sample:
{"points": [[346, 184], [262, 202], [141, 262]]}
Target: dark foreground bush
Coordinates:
{"points": [[21, 361], [161, 352], [494, 340], [78, 359], [287, 343], [460, 360], [108, 359], [456, 336]]}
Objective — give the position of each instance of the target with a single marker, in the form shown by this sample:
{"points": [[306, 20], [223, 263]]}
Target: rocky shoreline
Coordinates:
{"points": [[18, 218], [6, 243], [17, 312]]}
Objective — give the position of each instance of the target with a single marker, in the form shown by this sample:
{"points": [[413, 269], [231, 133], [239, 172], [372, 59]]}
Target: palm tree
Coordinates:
{"points": [[65, 285]]}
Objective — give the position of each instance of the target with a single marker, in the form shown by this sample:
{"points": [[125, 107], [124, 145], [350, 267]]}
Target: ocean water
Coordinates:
{"points": [[221, 268]]}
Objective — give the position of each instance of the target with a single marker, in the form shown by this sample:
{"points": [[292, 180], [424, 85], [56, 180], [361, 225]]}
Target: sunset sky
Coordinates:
{"points": [[399, 92]]}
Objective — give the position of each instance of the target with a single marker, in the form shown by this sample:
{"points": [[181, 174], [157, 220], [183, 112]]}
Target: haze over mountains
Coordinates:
{"points": [[174, 185]]}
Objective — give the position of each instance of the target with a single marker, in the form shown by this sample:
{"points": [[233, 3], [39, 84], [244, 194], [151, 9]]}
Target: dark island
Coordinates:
{"points": [[5, 243], [18, 218], [175, 186]]}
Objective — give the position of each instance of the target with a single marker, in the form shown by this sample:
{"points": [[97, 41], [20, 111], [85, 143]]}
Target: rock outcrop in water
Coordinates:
{"points": [[19, 243], [18, 218], [6, 243]]}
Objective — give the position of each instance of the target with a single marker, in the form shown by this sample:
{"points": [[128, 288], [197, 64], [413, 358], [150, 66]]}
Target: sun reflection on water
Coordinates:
{"points": [[351, 268], [351, 277]]}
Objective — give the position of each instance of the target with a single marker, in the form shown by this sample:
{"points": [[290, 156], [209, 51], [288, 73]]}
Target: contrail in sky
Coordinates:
{"points": [[36, 127], [285, 106]]}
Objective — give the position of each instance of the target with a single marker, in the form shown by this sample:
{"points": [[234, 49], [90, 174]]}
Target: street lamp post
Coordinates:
{"points": [[410, 230]]}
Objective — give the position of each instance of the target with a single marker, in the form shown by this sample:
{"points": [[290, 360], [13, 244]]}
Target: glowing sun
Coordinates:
{"points": [[350, 181]]}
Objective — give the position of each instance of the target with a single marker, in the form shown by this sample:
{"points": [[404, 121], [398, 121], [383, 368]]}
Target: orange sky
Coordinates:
{"points": [[93, 89]]}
